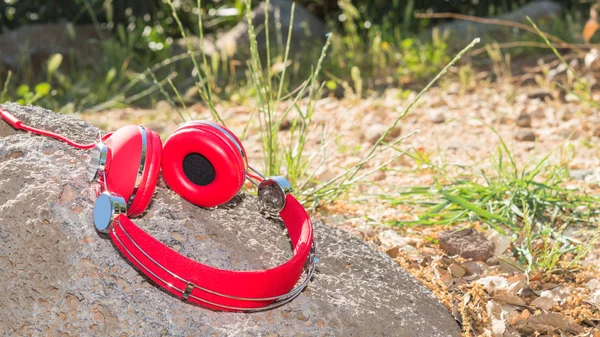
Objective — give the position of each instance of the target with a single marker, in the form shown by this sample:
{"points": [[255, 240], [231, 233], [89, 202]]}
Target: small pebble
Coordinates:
{"points": [[524, 121], [375, 131], [525, 136], [393, 253], [378, 176], [540, 94], [456, 270], [492, 261], [436, 116], [472, 268]]}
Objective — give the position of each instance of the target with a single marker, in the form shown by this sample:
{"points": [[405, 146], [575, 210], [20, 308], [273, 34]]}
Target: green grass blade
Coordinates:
{"points": [[474, 208]]}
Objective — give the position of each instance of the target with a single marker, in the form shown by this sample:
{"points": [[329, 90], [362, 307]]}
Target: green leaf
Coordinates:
{"points": [[23, 90], [42, 89], [110, 76], [53, 63], [71, 31]]}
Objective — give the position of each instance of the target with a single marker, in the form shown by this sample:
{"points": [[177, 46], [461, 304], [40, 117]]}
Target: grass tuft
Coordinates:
{"points": [[529, 204]]}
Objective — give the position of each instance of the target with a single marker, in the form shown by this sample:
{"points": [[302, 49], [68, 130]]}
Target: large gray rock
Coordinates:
{"points": [[36, 43], [59, 277], [463, 32], [307, 31], [306, 28]]}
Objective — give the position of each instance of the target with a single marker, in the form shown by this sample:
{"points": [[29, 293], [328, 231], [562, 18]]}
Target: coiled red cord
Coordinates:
{"points": [[18, 125]]}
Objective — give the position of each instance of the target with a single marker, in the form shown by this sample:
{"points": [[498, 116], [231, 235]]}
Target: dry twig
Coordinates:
{"points": [[498, 22]]}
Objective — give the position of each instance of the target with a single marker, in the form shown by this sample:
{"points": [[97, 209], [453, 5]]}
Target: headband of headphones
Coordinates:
{"points": [[217, 288], [207, 165]]}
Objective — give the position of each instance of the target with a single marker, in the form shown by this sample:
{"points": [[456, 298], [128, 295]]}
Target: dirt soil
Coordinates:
{"points": [[488, 298]]}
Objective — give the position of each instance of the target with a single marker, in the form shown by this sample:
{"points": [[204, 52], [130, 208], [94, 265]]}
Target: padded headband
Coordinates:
{"points": [[217, 288]]}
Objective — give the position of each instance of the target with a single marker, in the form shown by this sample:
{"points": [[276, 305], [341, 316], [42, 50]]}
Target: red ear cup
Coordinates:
{"points": [[132, 165], [204, 163], [150, 176]]}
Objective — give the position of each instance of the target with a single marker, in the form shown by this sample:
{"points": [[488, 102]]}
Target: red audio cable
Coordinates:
{"points": [[254, 176], [18, 125]]}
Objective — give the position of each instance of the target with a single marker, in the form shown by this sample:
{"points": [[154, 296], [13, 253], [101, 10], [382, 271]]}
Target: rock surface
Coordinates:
{"points": [[307, 31], [36, 43], [463, 32], [305, 28], [467, 243], [65, 279]]}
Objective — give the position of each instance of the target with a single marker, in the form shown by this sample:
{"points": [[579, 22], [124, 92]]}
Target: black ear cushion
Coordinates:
{"points": [[198, 169], [150, 175]]}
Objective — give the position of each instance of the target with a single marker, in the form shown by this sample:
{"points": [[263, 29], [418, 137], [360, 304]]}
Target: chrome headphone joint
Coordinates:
{"points": [[272, 193], [106, 209], [97, 161]]}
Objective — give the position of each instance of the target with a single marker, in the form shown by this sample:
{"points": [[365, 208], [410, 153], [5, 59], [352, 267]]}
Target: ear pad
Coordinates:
{"points": [[125, 149], [150, 175], [204, 163]]}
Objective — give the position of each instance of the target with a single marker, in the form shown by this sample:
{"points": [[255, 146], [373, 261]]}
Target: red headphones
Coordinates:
{"points": [[206, 164]]}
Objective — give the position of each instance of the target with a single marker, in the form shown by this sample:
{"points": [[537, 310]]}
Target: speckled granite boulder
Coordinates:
{"points": [[60, 278]]}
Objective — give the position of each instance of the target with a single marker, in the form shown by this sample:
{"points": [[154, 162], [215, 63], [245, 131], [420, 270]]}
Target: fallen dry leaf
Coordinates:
{"points": [[545, 322], [550, 286], [491, 284], [591, 57], [558, 295], [497, 315], [543, 303], [393, 253], [498, 327], [510, 299], [593, 284], [536, 277], [444, 276], [501, 242], [520, 319], [595, 298], [516, 283], [591, 26], [494, 309], [472, 268], [456, 270]]}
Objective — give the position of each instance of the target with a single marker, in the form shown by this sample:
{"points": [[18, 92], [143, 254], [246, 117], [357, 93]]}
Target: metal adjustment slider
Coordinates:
{"points": [[188, 291], [97, 161], [272, 192], [108, 206]]}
